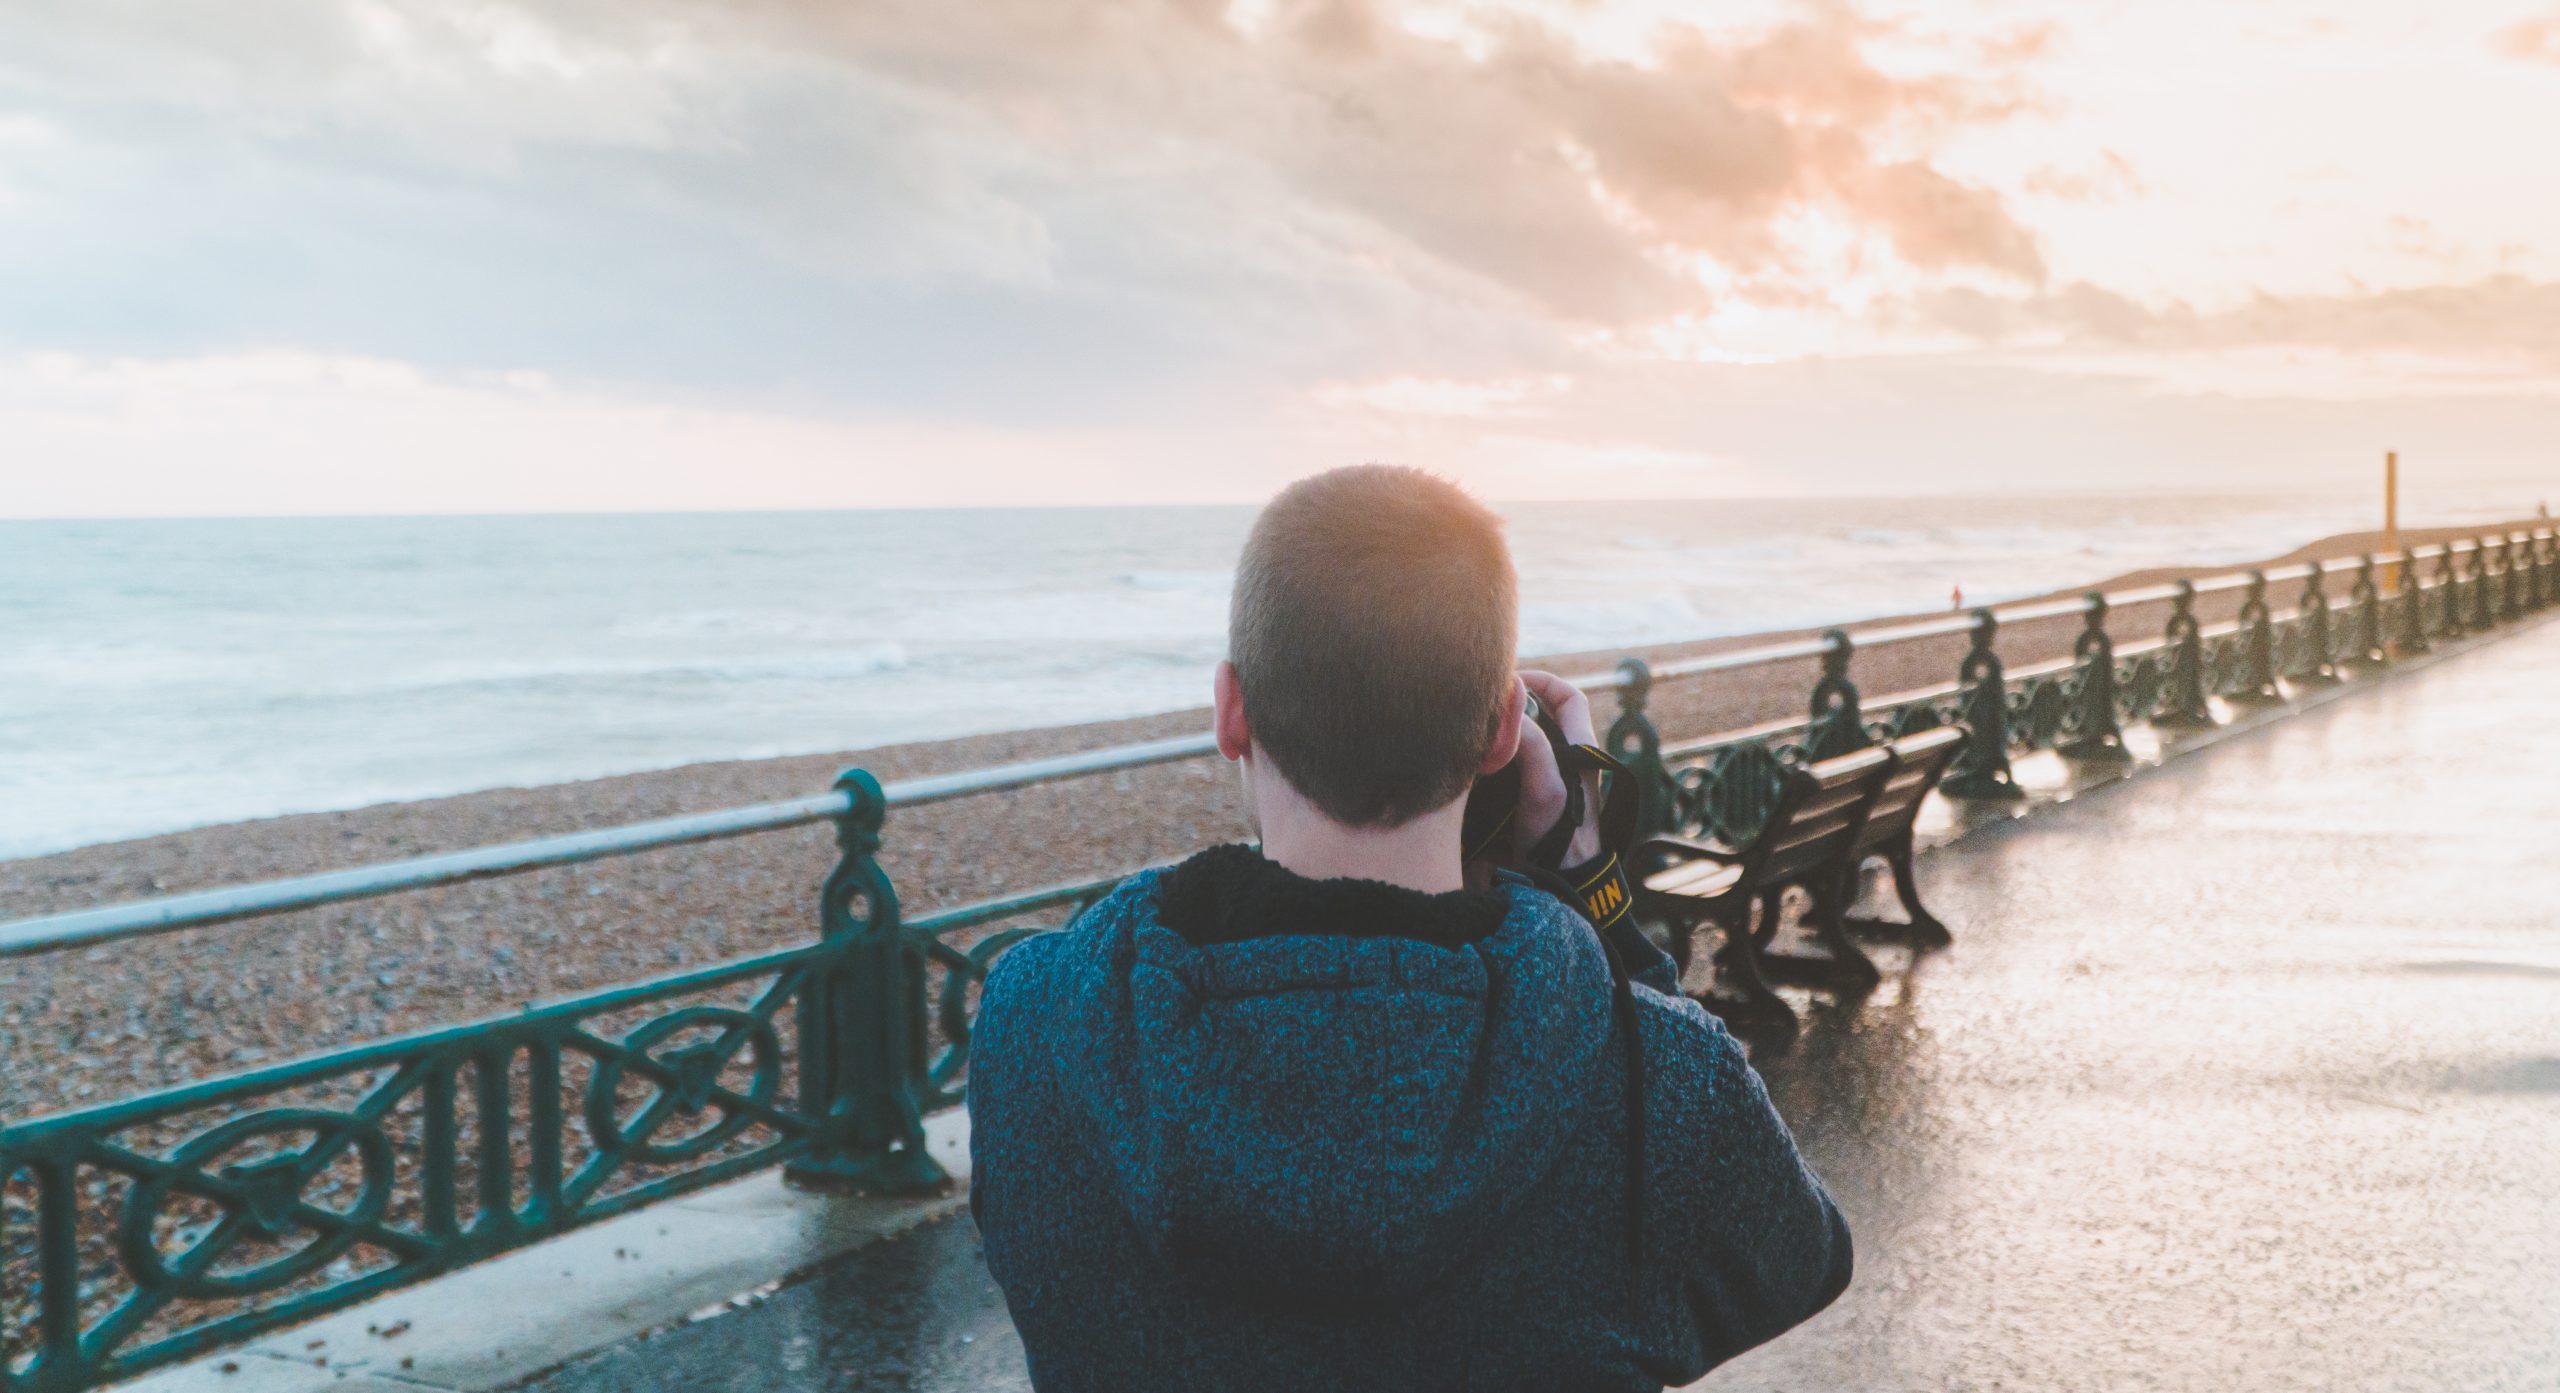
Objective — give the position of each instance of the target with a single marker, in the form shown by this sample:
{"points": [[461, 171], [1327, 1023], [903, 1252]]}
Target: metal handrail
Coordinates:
{"points": [[196, 909], [142, 918], [1692, 748]]}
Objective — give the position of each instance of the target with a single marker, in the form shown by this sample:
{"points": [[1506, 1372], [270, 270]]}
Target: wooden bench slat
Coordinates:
{"points": [[1695, 879]]}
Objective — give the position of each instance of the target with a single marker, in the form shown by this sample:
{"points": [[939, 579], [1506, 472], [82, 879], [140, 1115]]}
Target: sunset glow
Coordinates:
{"points": [[382, 256]]}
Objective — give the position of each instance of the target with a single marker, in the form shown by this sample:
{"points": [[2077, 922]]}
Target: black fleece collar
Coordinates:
{"points": [[1232, 893]]}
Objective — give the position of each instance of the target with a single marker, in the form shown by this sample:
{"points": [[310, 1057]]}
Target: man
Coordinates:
{"points": [[1322, 1115]]}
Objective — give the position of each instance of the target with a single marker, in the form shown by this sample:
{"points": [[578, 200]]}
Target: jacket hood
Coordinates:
{"points": [[1327, 1119]]}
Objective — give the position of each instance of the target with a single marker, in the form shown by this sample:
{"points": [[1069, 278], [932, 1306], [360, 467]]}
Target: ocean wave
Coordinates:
{"points": [[1181, 582], [1772, 553], [1886, 536], [734, 623], [1557, 626], [861, 662], [112, 665]]}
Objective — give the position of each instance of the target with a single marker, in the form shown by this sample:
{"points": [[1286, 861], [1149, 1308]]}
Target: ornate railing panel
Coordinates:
{"points": [[153, 1228], [184, 1221]]}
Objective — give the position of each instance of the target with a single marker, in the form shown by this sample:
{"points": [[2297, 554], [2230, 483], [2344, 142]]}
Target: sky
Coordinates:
{"points": [[332, 256]]}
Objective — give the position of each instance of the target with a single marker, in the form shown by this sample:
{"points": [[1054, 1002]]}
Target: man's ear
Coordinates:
{"points": [[1226, 704], [1506, 731]]}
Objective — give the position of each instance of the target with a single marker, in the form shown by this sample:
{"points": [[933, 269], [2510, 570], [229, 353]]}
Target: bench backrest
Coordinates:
{"points": [[1818, 816], [1920, 760]]}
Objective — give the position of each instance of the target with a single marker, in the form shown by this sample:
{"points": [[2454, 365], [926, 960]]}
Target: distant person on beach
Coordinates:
{"points": [[1332, 1114]]}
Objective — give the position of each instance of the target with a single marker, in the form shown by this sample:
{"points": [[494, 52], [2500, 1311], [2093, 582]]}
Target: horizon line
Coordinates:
{"points": [[469, 514]]}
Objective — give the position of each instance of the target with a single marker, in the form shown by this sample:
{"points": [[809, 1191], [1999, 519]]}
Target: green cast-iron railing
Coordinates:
{"points": [[150, 1229]]}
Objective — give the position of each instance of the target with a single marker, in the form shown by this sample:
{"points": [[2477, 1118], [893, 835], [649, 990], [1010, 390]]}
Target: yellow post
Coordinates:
{"points": [[2391, 516]]}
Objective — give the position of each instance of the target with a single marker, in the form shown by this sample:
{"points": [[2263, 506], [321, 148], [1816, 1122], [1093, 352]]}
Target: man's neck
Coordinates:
{"points": [[1420, 855]]}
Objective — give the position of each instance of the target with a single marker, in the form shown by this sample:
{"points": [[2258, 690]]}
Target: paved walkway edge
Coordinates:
{"points": [[512, 1318], [498, 1323]]}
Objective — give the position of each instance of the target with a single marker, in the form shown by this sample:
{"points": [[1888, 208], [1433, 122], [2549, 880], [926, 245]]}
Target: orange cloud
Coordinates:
{"points": [[1512, 154], [2110, 179], [2533, 40], [2496, 319], [1936, 222]]}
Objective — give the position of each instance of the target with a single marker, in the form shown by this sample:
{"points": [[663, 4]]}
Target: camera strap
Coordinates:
{"points": [[1600, 889], [1599, 885]]}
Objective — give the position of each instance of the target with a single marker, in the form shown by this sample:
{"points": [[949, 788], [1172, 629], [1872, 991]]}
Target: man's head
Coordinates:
{"points": [[1371, 643]]}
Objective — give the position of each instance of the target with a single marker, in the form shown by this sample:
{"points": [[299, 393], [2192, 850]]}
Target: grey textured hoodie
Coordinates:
{"points": [[1331, 1156]]}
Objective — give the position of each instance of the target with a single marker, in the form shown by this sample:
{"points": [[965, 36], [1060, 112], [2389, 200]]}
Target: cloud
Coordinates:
{"points": [[2535, 40], [289, 432], [1431, 396], [285, 432], [1937, 223], [1511, 152], [2505, 319], [1047, 210], [2111, 178], [898, 248]]}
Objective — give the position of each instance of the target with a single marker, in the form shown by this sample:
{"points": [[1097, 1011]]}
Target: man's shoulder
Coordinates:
{"points": [[1699, 1082], [1039, 965]]}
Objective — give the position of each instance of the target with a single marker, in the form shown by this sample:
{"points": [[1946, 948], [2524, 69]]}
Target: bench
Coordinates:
{"points": [[1830, 819], [1812, 825], [1921, 760]]}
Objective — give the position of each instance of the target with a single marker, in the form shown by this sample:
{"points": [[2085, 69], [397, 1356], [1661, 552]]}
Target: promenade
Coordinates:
{"points": [[2242, 1074]]}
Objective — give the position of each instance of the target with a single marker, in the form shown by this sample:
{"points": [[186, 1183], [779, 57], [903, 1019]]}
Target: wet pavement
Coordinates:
{"points": [[917, 1311], [2244, 1074]]}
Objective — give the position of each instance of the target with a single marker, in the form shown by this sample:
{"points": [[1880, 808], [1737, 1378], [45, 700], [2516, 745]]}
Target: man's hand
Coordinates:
{"points": [[1542, 791]]}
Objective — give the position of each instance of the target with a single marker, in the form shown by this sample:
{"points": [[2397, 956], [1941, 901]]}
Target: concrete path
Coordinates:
{"points": [[2244, 1074]]}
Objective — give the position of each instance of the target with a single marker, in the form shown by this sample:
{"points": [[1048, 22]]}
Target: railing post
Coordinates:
{"points": [[2494, 565], [2185, 704], [2449, 596], [1638, 745], [2483, 615], [2517, 601], [2256, 680], [57, 1243], [2410, 622], [2546, 586], [2366, 596], [862, 1023], [2096, 735], [2492, 581], [2318, 664], [1981, 768], [1836, 725]]}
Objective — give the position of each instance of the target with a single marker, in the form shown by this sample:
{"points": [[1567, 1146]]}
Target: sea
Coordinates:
{"points": [[163, 674]]}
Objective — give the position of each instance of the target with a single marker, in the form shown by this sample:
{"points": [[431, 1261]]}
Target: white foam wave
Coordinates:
{"points": [[1180, 582], [734, 623], [1556, 626], [861, 662]]}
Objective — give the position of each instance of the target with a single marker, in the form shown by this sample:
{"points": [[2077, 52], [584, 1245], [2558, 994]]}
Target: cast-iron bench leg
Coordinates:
{"points": [[1924, 930], [1840, 965], [1738, 965]]}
